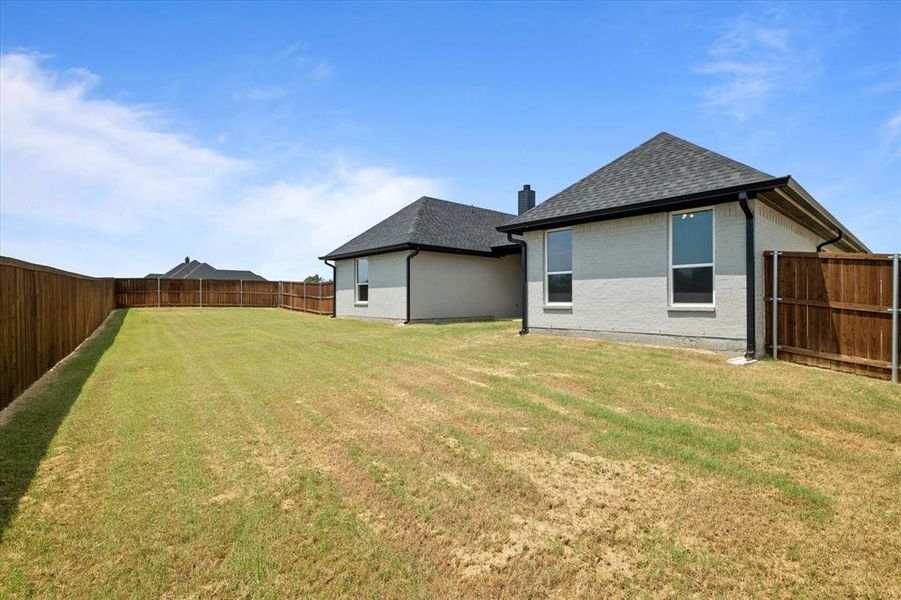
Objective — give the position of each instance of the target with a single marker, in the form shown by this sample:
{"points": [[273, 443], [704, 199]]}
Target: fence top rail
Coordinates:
{"points": [[21, 264], [832, 255]]}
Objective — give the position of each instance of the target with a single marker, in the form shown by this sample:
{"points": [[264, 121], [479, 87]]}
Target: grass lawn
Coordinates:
{"points": [[262, 452]]}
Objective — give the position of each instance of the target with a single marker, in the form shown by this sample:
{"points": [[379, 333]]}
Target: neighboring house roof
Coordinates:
{"points": [[433, 224], [666, 173], [195, 269]]}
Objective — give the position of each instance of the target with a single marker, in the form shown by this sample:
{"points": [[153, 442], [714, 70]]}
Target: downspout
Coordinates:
{"points": [[750, 279], [840, 235], [409, 258], [525, 281], [334, 287]]}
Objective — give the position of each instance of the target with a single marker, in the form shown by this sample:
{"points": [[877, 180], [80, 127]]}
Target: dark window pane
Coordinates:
{"points": [[362, 293], [693, 285], [559, 251], [693, 238], [560, 288], [363, 270]]}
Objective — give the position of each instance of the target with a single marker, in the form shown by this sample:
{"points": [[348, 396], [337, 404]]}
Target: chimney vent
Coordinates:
{"points": [[526, 199]]}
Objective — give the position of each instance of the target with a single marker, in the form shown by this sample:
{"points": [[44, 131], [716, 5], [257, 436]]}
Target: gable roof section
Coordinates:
{"points": [[433, 224], [665, 166]]}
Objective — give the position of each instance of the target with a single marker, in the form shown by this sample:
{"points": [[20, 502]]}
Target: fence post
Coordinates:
{"points": [[775, 305], [201, 293], [157, 292], [242, 293], [895, 317], [304, 296]]}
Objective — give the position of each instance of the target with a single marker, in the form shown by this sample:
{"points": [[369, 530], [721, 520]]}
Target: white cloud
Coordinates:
{"points": [[262, 94], [100, 187], [322, 70], [90, 162], [891, 132], [753, 60], [883, 87], [299, 220]]}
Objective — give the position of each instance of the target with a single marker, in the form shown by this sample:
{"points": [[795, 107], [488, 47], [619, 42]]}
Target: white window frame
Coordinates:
{"points": [[357, 283], [712, 264], [572, 257]]}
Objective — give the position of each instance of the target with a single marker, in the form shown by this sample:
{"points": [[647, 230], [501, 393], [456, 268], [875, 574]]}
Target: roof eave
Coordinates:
{"points": [[802, 197], [493, 253], [717, 196]]}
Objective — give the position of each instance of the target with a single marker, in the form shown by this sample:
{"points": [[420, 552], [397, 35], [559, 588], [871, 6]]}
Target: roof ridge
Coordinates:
{"points": [[500, 212], [707, 152], [414, 222], [604, 166]]}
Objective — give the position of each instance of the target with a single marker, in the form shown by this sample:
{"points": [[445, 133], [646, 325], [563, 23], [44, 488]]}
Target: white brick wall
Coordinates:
{"points": [[387, 288], [620, 282], [457, 286], [445, 286]]}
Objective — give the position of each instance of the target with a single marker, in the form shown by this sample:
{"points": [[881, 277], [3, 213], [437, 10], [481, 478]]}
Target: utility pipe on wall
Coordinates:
{"points": [[837, 238], [524, 252], [334, 287], [750, 280], [409, 283]]}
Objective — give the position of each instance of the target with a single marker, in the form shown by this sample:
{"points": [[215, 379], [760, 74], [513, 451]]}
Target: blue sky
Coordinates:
{"points": [[263, 135]]}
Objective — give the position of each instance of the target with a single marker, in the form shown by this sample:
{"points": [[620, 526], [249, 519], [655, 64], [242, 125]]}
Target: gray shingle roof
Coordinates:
{"points": [[430, 222], [665, 166], [195, 269]]}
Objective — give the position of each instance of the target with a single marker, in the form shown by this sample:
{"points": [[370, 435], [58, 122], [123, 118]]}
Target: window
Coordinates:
{"points": [[362, 280], [691, 258], [558, 266]]}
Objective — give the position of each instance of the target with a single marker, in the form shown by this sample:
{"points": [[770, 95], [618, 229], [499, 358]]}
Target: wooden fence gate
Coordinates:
{"points": [[838, 311]]}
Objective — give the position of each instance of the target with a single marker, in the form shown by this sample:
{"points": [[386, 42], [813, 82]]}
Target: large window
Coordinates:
{"points": [[558, 266], [362, 280], [691, 258]]}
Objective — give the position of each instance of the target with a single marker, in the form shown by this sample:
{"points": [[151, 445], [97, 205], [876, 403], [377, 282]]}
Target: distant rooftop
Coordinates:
{"points": [[194, 269]]}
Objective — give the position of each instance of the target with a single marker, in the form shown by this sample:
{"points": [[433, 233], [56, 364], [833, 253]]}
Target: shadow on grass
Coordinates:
{"points": [[25, 438]]}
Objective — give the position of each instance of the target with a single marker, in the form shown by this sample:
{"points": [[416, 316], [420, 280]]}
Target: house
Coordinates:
{"points": [[433, 260], [664, 245], [193, 269]]}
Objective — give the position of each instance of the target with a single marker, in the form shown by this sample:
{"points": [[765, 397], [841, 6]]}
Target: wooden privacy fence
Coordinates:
{"points": [[45, 314], [838, 311], [315, 298]]}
